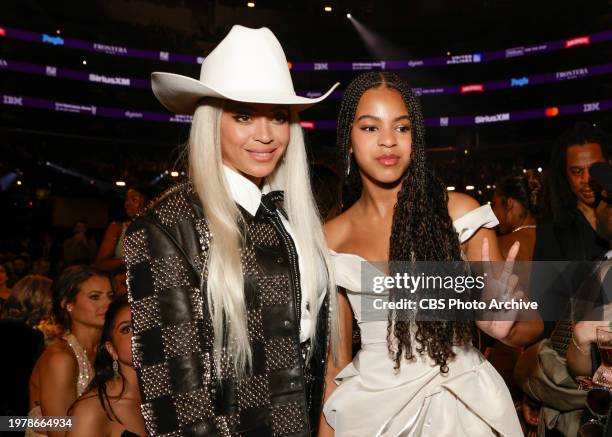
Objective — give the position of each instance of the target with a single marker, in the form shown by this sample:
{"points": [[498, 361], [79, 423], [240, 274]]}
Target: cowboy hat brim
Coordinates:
{"points": [[181, 94]]}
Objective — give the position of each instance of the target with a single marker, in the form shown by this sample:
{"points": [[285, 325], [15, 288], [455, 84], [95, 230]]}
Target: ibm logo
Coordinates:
{"points": [[591, 107], [10, 100], [51, 71], [443, 121], [164, 56], [321, 66]]}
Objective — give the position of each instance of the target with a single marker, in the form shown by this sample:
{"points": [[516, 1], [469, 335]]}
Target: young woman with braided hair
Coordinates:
{"points": [[410, 377]]}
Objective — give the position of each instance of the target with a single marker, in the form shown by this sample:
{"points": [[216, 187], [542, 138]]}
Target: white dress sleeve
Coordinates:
{"points": [[467, 225]]}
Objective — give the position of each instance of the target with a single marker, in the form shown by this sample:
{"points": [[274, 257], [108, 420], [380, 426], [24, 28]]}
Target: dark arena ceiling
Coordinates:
{"points": [[106, 149]]}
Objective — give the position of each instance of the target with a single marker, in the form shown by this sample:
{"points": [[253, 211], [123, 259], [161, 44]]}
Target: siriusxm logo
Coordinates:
{"points": [[55, 40], [520, 81]]}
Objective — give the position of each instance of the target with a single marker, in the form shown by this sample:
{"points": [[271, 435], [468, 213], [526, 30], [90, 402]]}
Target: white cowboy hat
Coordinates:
{"points": [[249, 65]]}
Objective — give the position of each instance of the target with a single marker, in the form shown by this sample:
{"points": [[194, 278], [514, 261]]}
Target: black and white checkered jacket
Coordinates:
{"points": [[182, 394]]}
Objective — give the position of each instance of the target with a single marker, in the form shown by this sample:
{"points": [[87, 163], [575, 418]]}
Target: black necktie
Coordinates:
{"points": [[268, 205]]}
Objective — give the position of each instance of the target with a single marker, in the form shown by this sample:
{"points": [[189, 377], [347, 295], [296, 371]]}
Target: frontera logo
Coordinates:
{"points": [[55, 40], [520, 81]]}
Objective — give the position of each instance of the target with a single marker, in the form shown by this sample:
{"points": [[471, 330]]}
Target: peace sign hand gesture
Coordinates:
{"points": [[502, 287]]}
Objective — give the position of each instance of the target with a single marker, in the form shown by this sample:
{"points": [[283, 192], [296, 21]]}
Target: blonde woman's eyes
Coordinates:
{"points": [[242, 118], [281, 117]]}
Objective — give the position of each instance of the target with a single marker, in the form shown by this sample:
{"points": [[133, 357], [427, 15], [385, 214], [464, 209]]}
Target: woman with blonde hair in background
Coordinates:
{"points": [[28, 305]]}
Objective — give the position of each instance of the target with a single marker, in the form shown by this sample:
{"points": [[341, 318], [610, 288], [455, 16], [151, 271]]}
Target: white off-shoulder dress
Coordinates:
{"points": [[372, 399]]}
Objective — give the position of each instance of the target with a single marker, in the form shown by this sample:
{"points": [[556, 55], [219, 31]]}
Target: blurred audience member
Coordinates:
{"points": [[41, 267], [599, 311], [5, 291], [515, 203], [110, 255], [567, 230], [546, 370], [80, 248], [111, 407], [81, 296], [27, 306], [21, 265], [9, 267]]}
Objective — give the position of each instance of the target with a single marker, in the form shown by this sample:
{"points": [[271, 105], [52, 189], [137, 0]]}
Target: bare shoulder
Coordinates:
{"points": [[459, 204], [338, 229], [58, 358]]}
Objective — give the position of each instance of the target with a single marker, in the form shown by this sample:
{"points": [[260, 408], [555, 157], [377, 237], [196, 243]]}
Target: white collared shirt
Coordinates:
{"points": [[246, 194]]}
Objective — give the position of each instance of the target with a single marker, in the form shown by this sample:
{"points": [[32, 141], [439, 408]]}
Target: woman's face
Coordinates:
{"points": [[134, 202], [121, 337], [381, 138], [254, 138], [91, 302]]}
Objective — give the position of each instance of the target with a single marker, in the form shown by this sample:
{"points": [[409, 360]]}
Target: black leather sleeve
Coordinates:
{"points": [[169, 350]]}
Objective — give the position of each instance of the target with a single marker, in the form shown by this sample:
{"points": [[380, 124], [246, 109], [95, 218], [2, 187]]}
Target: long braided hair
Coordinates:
{"points": [[422, 229]]}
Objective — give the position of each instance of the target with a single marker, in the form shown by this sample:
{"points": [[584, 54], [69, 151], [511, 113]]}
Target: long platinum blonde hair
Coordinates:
{"points": [[225, 284]]}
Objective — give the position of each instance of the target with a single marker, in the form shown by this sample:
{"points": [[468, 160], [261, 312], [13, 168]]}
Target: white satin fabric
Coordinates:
{"points": [[372, 399]]}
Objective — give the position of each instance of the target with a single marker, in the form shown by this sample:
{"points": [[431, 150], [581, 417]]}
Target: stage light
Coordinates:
{"points": [[539, 169], [174, 174], [524, 170], [18, 182], [327, 8], [469, 187], [466, 151], [2, 31], [251, 4], [579, 41], [473, 88], [450, 188], [349, 16], [551, 111], [488, 187], [84, 62], [480, 192], [120, 183], [448, 53], [307, 124], [58, 32]]}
